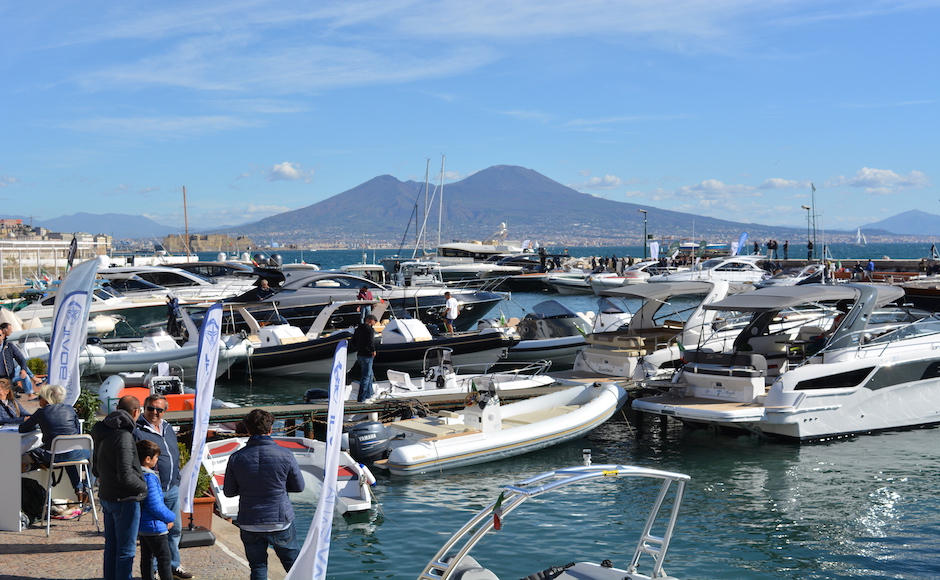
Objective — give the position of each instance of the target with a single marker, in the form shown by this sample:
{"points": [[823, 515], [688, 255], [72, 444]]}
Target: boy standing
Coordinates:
{"points": [[155, 518]]}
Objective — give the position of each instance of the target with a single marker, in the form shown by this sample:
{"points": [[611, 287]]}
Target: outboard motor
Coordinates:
{"points": [[312, 395], [260, 260], [368, 441], [275, 261]]}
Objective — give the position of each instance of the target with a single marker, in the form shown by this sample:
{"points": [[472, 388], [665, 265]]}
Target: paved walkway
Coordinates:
{"points": [[75, 551]]}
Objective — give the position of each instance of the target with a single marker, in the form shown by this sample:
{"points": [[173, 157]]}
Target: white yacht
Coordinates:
{"points": [[740, 269], [877, 369]]}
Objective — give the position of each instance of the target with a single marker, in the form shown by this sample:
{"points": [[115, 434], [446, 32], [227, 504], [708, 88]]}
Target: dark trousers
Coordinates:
{"points": [[155, 547], [256, 544]]}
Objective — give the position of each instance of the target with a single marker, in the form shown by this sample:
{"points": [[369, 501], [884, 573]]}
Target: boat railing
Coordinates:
{"points": [[446, 561], [505, 367]]}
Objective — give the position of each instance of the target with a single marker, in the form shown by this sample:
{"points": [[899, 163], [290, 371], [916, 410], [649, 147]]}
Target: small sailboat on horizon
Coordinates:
{"points": [[860, 238]]}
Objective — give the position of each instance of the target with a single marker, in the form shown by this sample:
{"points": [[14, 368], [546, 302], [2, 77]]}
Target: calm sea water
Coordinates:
{"points": [[866, 507]]}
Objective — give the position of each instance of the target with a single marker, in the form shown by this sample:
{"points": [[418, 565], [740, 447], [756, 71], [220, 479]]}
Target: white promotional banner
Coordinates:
{"points": [[315, 553], [70, 327], [208, 362], [654, 250]]}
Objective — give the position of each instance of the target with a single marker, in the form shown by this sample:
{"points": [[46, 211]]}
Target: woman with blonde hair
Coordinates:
{"points": [[56, 418], [11, 412]]}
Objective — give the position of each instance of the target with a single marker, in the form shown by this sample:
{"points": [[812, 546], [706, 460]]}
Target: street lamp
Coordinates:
{"points": [[643, 211], [809, 253]]}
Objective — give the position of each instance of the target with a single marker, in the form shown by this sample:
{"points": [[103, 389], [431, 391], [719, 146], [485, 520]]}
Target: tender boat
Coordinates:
{"points": [[453, 562], [875, 370], [485, 430], [157, 346], [441, 377], [636, 274], [352, 483], [163, 379]]}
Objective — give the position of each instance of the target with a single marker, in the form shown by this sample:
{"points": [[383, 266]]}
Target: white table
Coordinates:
{"points": [[12, 447]]}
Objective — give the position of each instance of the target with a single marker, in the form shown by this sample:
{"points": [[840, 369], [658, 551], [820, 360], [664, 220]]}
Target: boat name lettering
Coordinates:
{"points": [[64, 355]]}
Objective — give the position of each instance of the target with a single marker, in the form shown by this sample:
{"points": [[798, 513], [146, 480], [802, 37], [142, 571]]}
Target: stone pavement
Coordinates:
{"points": [[75, 551]]}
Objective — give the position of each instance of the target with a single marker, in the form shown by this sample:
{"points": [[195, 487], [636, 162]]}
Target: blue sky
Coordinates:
{"points": [[722, 108]]}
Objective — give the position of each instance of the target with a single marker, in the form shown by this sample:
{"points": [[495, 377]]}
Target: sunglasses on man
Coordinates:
{"points": [[154, 409]]}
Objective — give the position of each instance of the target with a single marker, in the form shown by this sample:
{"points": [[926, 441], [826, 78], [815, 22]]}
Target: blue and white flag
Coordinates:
{"points": [[315, 553], [70, 327], [208, 362], [741, 241]]}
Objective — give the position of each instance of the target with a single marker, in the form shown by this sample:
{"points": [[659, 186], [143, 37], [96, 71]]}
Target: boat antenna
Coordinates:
{"points": [[186, 224], [440, 206]]}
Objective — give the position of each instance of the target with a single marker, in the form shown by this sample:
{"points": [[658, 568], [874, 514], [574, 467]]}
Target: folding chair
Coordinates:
{"points": [[62, 444]]}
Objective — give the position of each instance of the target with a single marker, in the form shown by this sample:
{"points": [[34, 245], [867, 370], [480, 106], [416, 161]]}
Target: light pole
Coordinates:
{"points": [[809, 253], [643, 211]]}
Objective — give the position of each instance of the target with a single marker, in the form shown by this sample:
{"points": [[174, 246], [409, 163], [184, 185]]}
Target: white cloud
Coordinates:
{"points": [[778, 183], [606, 182], [288, 171], [8, 180], [881, 181]]}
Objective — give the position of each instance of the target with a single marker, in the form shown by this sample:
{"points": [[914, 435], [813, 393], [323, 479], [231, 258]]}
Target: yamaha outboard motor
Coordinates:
{"points": [[275, 261], [368, 441]]}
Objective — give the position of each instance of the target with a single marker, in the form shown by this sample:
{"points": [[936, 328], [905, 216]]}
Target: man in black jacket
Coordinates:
{"points": [[363, 341], [121, 486]]}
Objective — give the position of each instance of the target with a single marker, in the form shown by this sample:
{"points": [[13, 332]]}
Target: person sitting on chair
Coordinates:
{"points": [[56, 418]]}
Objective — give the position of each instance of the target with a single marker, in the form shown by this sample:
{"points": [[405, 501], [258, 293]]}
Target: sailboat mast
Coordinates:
{"points": [[440, 207], [186, 224]]}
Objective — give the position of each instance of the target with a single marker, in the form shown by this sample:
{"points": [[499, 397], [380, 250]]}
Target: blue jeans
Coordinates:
{"points": [[364, 310], [45, 457], [365, 380], [171, 498], [256, 544], [121, 520]]}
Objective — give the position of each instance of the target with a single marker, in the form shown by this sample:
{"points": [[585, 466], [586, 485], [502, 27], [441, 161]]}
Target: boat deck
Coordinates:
{"points": [[702, 403]]}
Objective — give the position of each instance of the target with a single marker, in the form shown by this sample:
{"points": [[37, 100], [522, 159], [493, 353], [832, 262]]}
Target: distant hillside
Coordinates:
{"points": [[911, 223], [117, 225], [533, 207]]}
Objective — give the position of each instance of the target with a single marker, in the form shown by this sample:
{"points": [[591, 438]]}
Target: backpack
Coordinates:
{"points": [[34, 499]]}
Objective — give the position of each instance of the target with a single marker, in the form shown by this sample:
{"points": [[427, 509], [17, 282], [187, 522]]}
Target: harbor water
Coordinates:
{"points": [[864, 507]]}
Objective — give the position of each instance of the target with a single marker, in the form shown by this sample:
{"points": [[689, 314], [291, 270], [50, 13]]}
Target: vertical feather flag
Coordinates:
{"points": [[315, 553], [70, 327], [208, 361]]}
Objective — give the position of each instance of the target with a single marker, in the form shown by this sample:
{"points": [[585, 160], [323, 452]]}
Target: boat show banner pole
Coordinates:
{"points": [[70, 327], [315, 553], [208, 362]]}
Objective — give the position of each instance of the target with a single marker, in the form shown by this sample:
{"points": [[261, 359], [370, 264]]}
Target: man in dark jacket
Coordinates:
{"points": [[152, 427], [363, 341], [121, 486], [263, 473]]}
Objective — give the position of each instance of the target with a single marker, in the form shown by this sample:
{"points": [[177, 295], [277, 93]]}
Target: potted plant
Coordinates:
{"points": [[203, 501], [87, 409], [37, 366]]}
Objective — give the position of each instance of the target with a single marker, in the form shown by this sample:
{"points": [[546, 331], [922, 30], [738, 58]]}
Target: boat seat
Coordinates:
{"points": [[540, 415], [400, 380], [428, 429], [293, 339]]}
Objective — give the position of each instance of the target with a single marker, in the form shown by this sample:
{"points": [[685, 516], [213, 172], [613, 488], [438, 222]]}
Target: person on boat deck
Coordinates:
{"points": [[870, 268], [451, 311], [364, 309], [11, 412], [809, 250], [786, 249], [363, 341], [264, 290], [262, 473]]}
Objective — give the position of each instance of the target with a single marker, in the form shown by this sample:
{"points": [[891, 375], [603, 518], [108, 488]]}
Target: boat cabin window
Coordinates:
{"points": [[679, 308], [169, 279], [342, 282], [133, 284]]}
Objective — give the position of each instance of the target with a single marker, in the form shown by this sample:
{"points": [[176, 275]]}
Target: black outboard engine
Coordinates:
{"points": [[368, 441], [275, 261], [316, 395]]}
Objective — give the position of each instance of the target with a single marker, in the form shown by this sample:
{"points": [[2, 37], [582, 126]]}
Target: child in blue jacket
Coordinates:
{"points": [[155, 518]]}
